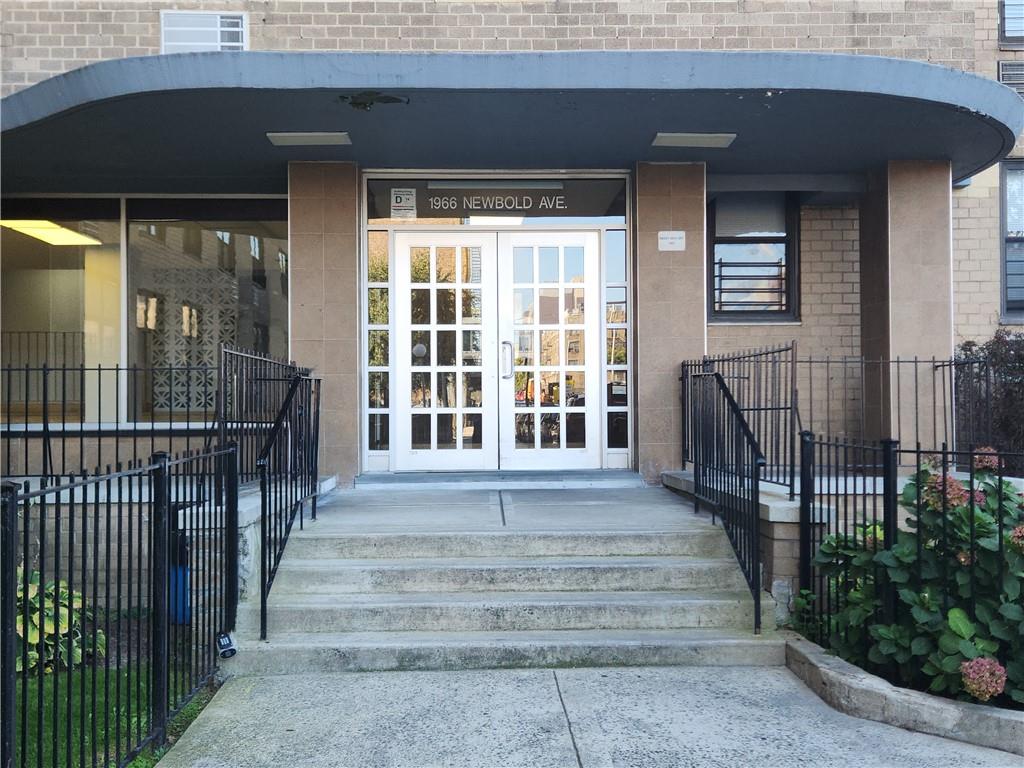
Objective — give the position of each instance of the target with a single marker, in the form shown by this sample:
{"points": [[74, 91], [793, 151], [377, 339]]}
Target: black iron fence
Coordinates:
{"points": [[910, 559], [57, 349], [728, 468], [927, 401], [113, 588], [59, 420], [287, 465]]}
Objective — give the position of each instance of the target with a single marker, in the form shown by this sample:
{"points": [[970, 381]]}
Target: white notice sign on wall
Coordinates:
{"points": [[403, 203], [672, 241]]}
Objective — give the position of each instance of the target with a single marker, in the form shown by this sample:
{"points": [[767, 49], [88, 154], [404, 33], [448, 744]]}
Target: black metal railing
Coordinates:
{"points": [[763, 383], [57, 349], [894, 536], [253, 387], [930, 401], [113, 589], [744, 286], [727, 472], [288, 472]]}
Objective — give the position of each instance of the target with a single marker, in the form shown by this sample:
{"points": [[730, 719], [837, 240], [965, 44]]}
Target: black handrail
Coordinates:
{"points": [[727, 467]]}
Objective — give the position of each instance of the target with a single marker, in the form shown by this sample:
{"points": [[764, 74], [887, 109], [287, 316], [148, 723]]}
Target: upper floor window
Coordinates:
{"points": [[1013, 242], [753, 270], [1011, 73], [1011, 23], [183, 31]]}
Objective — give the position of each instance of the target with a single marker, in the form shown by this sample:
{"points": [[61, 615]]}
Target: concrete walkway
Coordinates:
{"points": [[571, 718]]}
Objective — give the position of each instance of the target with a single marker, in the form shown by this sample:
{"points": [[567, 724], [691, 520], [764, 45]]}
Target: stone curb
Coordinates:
{"points": [[853, 691]]}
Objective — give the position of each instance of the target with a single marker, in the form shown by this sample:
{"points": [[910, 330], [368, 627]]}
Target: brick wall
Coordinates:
{"points": [[44, 37], [41, 38], [829, 291]]}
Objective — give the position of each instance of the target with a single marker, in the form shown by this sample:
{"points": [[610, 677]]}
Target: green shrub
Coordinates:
{"points": [[57, 615], [1003, 356], [957, 577]]}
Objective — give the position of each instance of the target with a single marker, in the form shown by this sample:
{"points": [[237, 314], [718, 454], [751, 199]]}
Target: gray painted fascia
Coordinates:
{"points": [[571, 71]]}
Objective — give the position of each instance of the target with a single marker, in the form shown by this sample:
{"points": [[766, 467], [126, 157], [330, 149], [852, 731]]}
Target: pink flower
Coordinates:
{"points": [[983, 678], [931, 461], [979, 497], [1017, 538], [946, 486], [986, 458], [964, 557]]}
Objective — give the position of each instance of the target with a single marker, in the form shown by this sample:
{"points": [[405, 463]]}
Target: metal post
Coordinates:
{"points": [[160, 484], [231, 532], [806, 505], [264, 533], [890, 522], [8, 588]]}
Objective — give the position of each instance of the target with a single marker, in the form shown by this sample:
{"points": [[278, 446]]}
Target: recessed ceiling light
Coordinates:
{"points": [[697, 140], [49, 232], [309, 138]]}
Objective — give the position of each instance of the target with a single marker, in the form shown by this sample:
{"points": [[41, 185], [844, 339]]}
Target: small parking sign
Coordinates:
{"points": [[403, 203]]}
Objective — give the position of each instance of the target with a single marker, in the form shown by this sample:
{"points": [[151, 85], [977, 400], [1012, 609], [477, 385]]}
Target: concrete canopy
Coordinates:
{"points": [[198, 122]]}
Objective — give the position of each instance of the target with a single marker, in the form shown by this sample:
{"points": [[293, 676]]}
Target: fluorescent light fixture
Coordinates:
{"points": [[489, 185], [309, 138], [694, 140], [48, 232]]}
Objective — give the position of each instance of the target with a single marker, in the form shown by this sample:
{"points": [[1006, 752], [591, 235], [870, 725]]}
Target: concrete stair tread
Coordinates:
{"points": [[339, 527], [496, 563], [682, 636], [662, 598]]}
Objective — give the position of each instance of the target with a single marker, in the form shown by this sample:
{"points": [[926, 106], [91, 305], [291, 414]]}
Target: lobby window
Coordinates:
{"points": [[203, 284], [60, 283], [190, 31], [1013, 242], [378, 342], [1011, 24], [752, 274]]}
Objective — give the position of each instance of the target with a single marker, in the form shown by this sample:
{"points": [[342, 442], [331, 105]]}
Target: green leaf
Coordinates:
{"points": [[908, 596], [1017, 694], [999, 629], [899, 575], [938, 685], [887, 558], [1012, 611], [922, 615], [921, 646], [986, 646], [968, 649], [949, 643], [960, 624], [950, 664], [1011, 586]]}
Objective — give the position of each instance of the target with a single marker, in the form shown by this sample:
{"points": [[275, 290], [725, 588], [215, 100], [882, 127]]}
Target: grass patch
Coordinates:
{"points": [[120, 722], [176, 727]]}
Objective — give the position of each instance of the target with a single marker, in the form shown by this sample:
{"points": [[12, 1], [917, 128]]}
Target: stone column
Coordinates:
{"points": [[324, 301], [671, 307], [906, 294]]}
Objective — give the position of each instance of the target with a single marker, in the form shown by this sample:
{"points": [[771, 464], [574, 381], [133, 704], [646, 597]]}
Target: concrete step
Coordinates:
{"points": [[552, 574], [500, 480], [509, 611], [320, 543], [289, 653]]}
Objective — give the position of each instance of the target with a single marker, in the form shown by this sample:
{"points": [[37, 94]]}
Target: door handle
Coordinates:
{"points": [[507, 361]]}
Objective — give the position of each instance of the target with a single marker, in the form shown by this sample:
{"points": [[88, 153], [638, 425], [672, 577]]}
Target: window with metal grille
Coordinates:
{"points": [[185, 31], [1013, 242], [1011, 73], [752, 270], [1011, 23]]}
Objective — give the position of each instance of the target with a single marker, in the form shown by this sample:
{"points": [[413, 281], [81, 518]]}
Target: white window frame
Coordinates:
{"points": [[182, 12]]}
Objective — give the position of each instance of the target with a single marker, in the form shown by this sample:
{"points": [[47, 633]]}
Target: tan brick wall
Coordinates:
{"points": [[41, 38], [829, 292]]}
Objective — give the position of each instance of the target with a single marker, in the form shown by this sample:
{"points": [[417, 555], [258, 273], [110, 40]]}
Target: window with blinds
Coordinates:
{"points": [[1011, 23], [752, 274], [192, 31], [1013, 246], [1011, 73]]}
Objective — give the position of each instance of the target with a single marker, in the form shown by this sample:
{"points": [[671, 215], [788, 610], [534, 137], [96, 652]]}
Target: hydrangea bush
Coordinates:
{"points": [[957, 569]]}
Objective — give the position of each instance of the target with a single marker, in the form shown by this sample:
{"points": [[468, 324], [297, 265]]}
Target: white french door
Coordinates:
{"points": [[549, 401], [498, 351], [446, 376]]}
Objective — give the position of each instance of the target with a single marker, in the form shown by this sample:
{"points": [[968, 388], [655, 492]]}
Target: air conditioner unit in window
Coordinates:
{"points": [[1011, 73]]}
